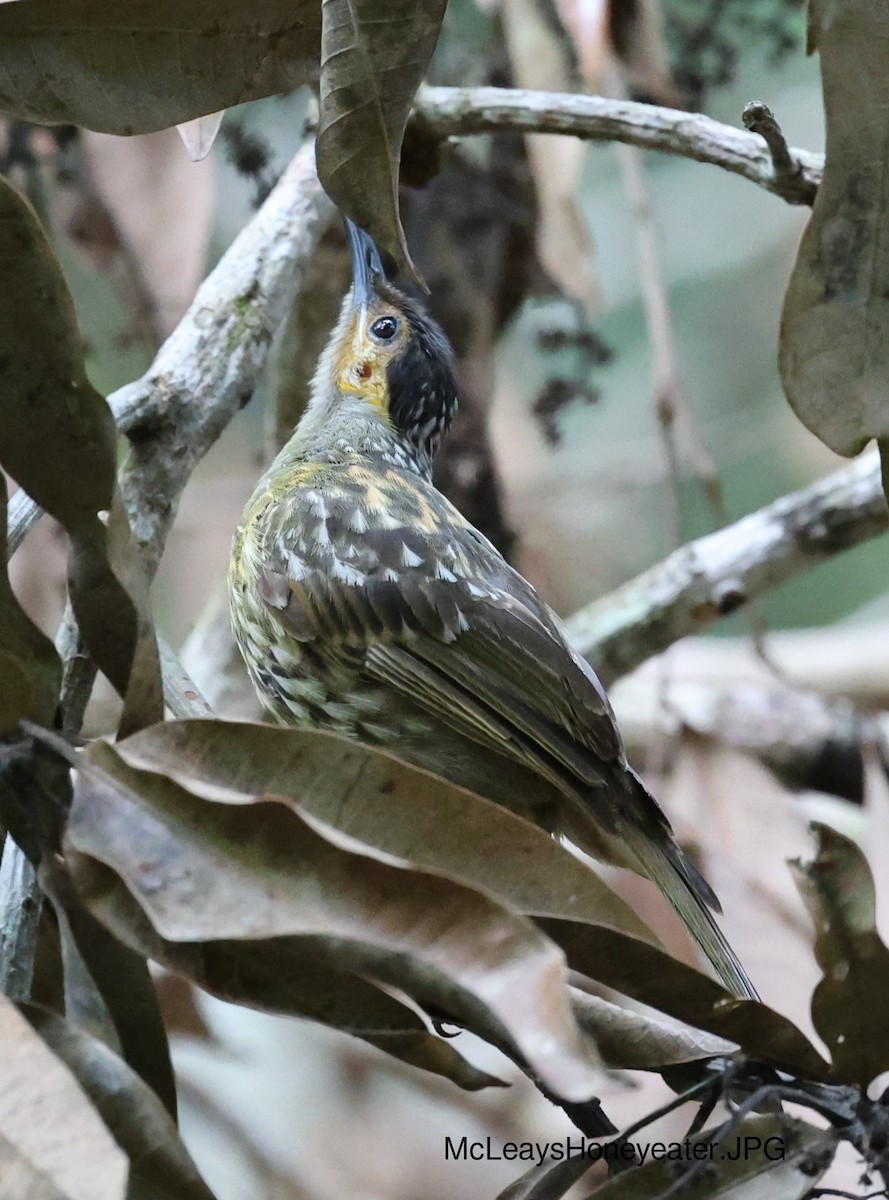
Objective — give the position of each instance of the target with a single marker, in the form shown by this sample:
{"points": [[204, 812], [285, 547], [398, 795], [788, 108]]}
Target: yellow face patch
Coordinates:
{"points": [[364, 356]]}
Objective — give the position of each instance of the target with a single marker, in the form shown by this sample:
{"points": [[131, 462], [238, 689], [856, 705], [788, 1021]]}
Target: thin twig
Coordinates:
{"points": [[456, 112], [181, 693], [759, 118], [21, 903]]}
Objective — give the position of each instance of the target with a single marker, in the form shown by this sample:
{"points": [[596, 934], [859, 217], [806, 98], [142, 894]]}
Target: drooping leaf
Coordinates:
{"points": [[30, 672], [834, 353], [374, 54], [58, 440], [280, 975], [160, 1166], [634, 1041], [207, 872], [773, 1157], [136, 68], [109, 992], [651, 976], [56, 1134], [849, 1004], [387, 805]]}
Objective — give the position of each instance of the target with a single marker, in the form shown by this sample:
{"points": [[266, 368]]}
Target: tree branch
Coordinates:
{"points": [[720, 573], [206, 370], [456, 112], [808, 741]]}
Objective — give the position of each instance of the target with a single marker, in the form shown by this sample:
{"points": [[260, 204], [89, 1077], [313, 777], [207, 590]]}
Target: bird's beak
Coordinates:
{"points": [[366, 264]]}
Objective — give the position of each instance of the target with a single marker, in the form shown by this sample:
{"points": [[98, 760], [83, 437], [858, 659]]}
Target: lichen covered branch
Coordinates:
{"points": [[720, 573], [456, 112]]}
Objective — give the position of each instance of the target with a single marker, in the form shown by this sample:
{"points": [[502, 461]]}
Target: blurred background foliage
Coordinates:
{"points": [[279, 1108]]}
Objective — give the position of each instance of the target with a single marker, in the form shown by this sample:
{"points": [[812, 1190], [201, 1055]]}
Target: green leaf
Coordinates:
{"points": [[133, 68], [387, 805], [30, 672], [849, 1003], [207, 872], [58, 440], [374, 54], [652, 977], [834, 352], [160, 1166]]}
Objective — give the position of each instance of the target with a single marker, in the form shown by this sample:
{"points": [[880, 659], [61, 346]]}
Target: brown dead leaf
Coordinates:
{"points": [[651, 976], [386, 805], [206, 872], [834, 348], [849, 1004], [58, 440], [139, 68], [635, 1041], [374, 54], [744, 826]]}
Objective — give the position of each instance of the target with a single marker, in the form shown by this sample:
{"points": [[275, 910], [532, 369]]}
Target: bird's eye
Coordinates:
{"points": [[384, 329]]}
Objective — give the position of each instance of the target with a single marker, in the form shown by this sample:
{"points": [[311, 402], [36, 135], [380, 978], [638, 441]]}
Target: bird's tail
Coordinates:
{"points": [[692, 898], [644, 842]]}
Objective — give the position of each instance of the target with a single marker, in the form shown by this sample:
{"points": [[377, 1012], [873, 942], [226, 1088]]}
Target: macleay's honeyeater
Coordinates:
{"points": [[365, 604]]}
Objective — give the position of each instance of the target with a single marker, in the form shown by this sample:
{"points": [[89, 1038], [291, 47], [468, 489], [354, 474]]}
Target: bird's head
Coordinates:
{"points": [[387, 352]]}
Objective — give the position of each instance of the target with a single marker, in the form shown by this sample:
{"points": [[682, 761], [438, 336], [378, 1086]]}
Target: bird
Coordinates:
{"points": [[365, 604]]}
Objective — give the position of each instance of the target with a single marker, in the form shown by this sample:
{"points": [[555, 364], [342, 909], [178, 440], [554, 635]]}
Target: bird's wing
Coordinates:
{"points": [[383, 570], [386, 568]]}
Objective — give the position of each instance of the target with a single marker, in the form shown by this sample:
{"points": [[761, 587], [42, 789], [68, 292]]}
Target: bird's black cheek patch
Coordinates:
{"points": [[422, 390]]}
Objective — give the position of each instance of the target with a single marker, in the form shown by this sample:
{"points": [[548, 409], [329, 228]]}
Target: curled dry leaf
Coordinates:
{"points": [[634, 1041], [387, 805], [834, 351], [30, 672], [206, 872], [58, 440], [849, 1004], [281, 975], [138, 68], [777, 1158], [649, 975], [374, 54], [49, 1130]]}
